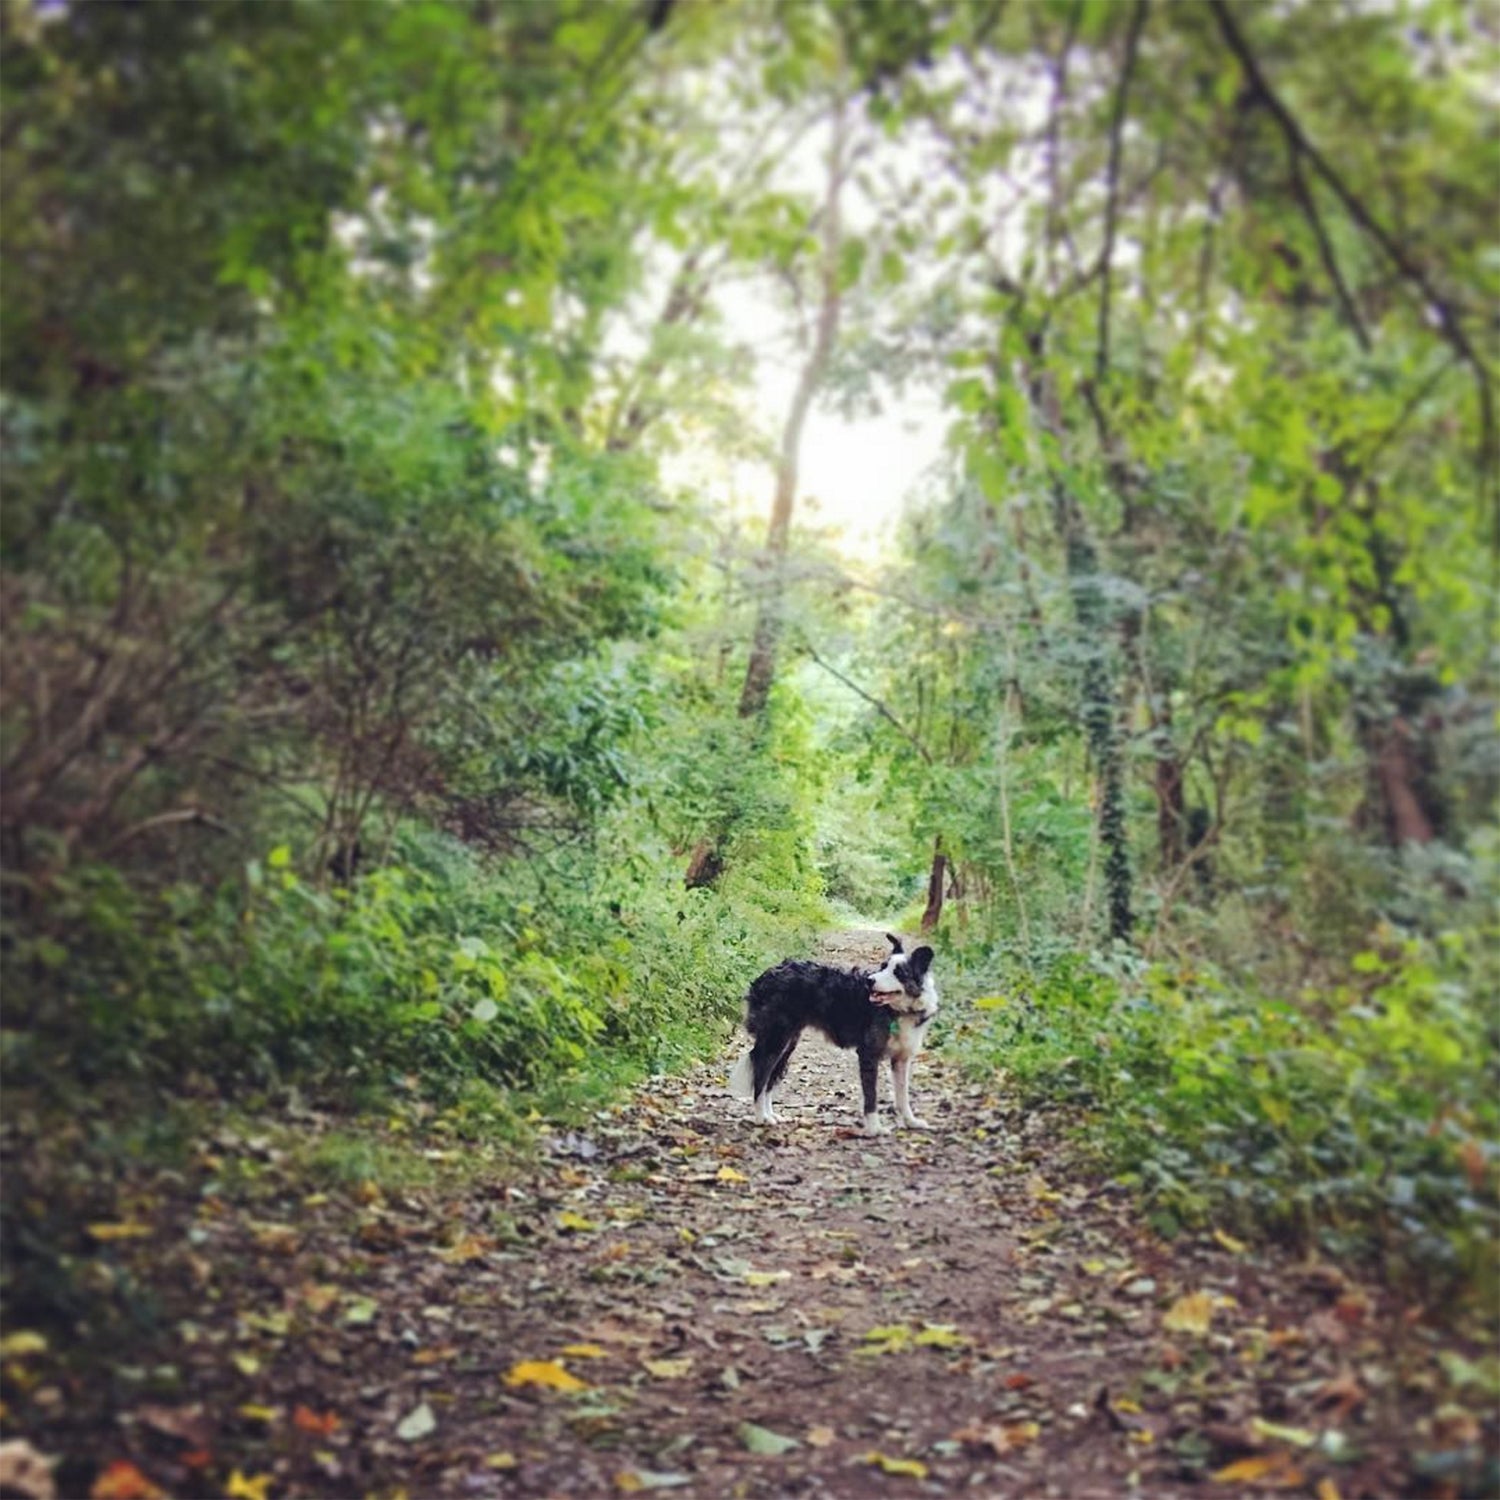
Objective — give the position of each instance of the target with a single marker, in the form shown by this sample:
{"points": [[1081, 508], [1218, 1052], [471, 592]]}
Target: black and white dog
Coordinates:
{"points": [[881, 1015]]}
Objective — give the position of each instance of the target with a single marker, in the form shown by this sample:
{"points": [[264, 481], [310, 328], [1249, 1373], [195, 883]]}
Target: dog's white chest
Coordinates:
{"points": [[906, 1039]]}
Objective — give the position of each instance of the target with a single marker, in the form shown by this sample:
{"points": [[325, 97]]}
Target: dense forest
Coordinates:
{"points": [[433, 690]]}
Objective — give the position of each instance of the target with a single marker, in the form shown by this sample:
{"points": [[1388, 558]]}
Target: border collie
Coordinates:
{"points": [[881, 1015]]}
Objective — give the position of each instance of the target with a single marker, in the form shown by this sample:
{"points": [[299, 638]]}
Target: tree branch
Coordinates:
{"points": [[873, 701], [1450, 325], [1303, 189], [1112, 201]]}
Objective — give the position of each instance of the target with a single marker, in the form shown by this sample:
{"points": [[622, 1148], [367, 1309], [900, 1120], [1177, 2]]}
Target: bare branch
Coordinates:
{"points": [[872, 700]]}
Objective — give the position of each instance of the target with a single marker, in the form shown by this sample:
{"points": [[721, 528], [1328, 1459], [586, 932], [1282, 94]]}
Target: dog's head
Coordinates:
{"points": [[908, 973]]}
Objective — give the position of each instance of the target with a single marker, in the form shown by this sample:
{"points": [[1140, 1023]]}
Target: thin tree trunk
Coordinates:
{"points": [[760, 671], [935, 883]]}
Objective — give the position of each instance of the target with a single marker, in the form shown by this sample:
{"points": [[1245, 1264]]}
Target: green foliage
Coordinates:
{"points": [[1361, 1118]]}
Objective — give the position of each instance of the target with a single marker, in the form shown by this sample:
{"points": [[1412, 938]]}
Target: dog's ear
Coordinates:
{"points": [[895, 942], [921, 961]]}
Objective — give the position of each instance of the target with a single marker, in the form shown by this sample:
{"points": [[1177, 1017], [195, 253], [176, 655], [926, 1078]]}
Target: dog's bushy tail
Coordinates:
{"points": [[742, 1078]]}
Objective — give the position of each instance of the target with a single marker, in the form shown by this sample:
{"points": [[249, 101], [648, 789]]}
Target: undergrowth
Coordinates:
{"points": [[1357, 1120]]}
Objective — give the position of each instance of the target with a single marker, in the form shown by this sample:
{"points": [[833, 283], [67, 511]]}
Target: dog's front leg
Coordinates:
{"points": [[869, 1078], [901, 1087]]}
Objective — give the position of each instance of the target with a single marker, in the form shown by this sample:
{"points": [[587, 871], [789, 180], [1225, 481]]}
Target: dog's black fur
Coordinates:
{"points": [[797, 993]]}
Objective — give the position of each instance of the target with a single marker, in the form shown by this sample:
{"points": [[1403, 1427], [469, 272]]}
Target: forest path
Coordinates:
{"points": [[798, 1310]]}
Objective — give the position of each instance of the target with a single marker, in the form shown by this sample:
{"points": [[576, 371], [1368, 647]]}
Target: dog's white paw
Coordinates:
{"points": [[915, 1122], [874, 1125]]}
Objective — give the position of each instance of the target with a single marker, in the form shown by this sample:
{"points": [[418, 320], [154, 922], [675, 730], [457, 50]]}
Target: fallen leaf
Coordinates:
{"points": [[1228, 1241], [505, 1460], [123, 1481], [1019, 1381], [18, 1345], [1328, 1490], [307, 1420], [26, 1471], [245, 1362], [242, 1487], [255, 1413], [469, 1247], [1298, 1437], [361, 1310], [728, 1174], [584, 1351], [574, 1223], [1340, 1395], [890, 1339], [913, 1467], [940, 1336], [185, 1423], [633, 1481], [1274, 1471], [820, 1437], [417, 1424], [1000, 1438], [669, 1369], [766, 1278], [128, 1230], [1190, 1314], [763, 1441], [544, 1372]]}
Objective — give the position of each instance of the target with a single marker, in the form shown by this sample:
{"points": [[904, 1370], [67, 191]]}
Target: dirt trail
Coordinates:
{"points": [[921, 1313]]}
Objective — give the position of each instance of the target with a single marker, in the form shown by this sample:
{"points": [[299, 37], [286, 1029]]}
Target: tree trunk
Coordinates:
{"points": [[1171, 814], [935, 882], [760, 671]]}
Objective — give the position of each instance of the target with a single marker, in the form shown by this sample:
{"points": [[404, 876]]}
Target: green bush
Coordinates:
{"points": [[1362, 1118], [443, 970]]}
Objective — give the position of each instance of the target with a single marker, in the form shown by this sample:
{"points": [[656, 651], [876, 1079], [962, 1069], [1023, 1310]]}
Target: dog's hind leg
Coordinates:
{"points": [[869, 1079], [901, 1086], [768, 1059], [778, 1072]]}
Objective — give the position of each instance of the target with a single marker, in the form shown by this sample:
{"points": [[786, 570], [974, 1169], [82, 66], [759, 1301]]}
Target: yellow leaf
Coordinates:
{"points": [[728, 1174], [259, 1413], [543, 1372], [1142, 1435], [1274, 1470], [567, 1219], [941, 1336], [584, 1351], [1190, 1314], [1328, 1490], [1228, 1241], [18, 1344], [914, 1467], [506, 1460], [241, 1487], [766, 1278], [1128, 1407], [669, 1369], [469, 1247], [129, 1230], [820, 1437]]}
